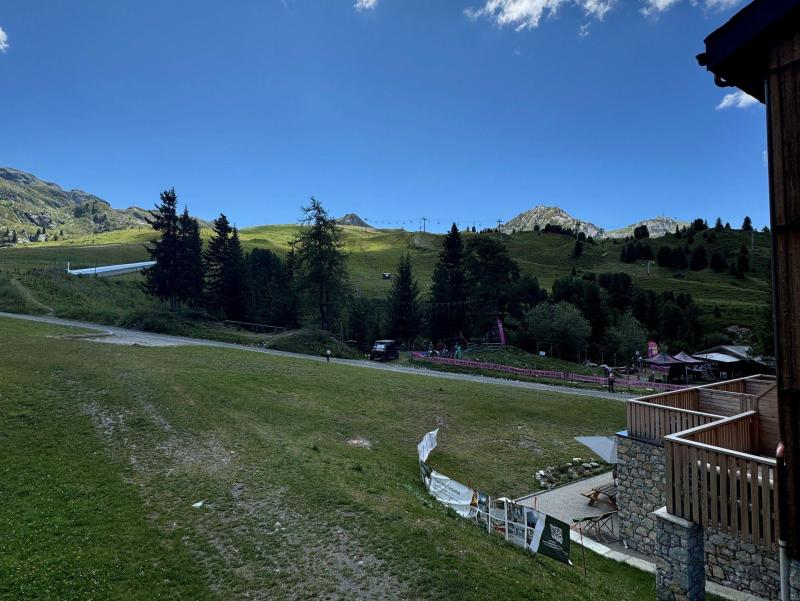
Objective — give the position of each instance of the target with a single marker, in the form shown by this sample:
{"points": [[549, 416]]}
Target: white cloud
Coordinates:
{"points": [[583, 30], [365, 4], [520, 14], [596, 8], [3, 40], [737, 99], [655, 7], [721, 4], [527, 14]]}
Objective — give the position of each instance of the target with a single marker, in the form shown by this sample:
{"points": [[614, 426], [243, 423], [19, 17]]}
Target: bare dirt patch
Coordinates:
{"points": [[358, 441]]}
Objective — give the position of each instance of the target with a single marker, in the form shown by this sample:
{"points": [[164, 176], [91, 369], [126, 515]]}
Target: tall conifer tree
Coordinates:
{"points": [[161, 280], [449, 304], [404, 317], [190, 260], [321, 264]]}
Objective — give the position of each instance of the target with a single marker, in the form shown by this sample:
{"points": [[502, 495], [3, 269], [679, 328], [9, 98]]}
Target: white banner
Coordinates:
{"points": [[453, 494], [427, 444]]}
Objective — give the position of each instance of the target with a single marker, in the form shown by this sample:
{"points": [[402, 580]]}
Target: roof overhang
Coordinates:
{"points": [[738, 52], [719, 358]]}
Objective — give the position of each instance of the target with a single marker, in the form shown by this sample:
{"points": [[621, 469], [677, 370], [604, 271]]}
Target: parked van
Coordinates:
{"points": [[384, 350]]}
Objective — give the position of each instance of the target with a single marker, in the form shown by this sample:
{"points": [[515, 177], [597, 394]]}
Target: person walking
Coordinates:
{"points": [[611, 381], [328, 356]]}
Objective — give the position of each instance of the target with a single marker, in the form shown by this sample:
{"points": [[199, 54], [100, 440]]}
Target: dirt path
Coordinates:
{"points": [[28, 296], [115, 335]]}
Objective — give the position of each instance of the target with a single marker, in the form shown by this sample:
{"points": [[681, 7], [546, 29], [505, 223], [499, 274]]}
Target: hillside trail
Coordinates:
{"points": [[25, 292], [124, 336]]}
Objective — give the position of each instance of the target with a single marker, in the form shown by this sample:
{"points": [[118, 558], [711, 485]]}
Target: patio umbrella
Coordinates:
{"points": [[604, 447]]}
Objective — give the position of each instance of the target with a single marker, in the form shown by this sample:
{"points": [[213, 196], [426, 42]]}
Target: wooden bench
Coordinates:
{"points": [[609, 490]]}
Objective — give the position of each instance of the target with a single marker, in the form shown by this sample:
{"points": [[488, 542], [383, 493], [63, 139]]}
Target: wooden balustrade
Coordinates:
{"points": [[678, 399], [712, 484], [726, 403], [651, 422], [711, 435]]}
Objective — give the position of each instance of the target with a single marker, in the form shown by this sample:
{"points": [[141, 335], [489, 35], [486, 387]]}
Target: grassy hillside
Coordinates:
{"points": [[106, 448], [30, 206], [547, 256]]}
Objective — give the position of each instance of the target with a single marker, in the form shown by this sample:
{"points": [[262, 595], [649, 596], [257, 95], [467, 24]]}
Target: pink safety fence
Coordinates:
{"points": [[544, 373]]}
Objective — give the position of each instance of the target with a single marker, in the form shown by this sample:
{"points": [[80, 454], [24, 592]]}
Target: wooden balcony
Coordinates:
{"points": [[719, 443]]}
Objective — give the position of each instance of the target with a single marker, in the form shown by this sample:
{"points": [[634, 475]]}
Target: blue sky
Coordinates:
{"points": [[468, 110]]}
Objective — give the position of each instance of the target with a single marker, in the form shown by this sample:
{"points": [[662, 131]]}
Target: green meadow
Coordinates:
{"points": [[307, 473]]}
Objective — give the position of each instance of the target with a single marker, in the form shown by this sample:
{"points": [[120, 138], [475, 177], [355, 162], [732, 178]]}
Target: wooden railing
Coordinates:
{"points": [[713, 481], [651, 421], [677, 399], [726, 403]]}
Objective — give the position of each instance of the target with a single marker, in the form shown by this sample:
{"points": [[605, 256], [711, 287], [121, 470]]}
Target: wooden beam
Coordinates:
{"points": [[783, 131]]}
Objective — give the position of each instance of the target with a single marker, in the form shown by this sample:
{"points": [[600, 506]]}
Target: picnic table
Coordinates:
{"points": [[608, 490]]}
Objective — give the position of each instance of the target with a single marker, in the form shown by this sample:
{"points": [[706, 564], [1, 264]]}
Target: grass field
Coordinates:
{"points": [[106, 448], [372, 252]]}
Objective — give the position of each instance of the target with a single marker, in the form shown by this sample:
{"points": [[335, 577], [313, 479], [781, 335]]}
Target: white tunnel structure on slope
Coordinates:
{"points": [[110, 270]]}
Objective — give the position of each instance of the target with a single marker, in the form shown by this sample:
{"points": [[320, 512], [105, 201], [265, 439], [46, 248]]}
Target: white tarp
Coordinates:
{"points": [[453, 494], [427, 444], [604, 447]]}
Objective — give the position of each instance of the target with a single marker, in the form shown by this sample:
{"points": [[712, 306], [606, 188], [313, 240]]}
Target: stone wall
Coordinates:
{"points": [[679, 559], [742, 566], [794, 581], [640, 481]]}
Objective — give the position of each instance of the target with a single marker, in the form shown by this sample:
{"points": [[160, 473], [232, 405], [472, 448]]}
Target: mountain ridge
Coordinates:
{"points": [[541, 215], [352, 219], [32, 209]]}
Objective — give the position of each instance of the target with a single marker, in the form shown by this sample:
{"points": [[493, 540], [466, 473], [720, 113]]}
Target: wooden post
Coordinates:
{"points": [[783, 131]]}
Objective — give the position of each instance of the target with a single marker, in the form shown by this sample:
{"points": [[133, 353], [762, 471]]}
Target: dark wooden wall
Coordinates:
{"points": [[783, 114]]}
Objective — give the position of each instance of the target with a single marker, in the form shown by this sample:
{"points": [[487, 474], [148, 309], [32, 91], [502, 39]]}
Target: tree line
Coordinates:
{"points": [[475, 285], [700, 257]]}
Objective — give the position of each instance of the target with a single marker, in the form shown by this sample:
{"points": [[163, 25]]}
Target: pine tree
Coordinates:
{"points": [[450, 303], [190, 260], [742, 263], [216, 259], [161, 280], [718, 263], [233, 282], [577, 250], [747, 224], [718, 225], [699, 259], [321, 264], [290, 304], [441, 297], [404, 309]]}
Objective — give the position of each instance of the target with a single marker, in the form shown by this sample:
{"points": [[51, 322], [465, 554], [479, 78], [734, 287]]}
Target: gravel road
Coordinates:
{"points": [[115, 335]]}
